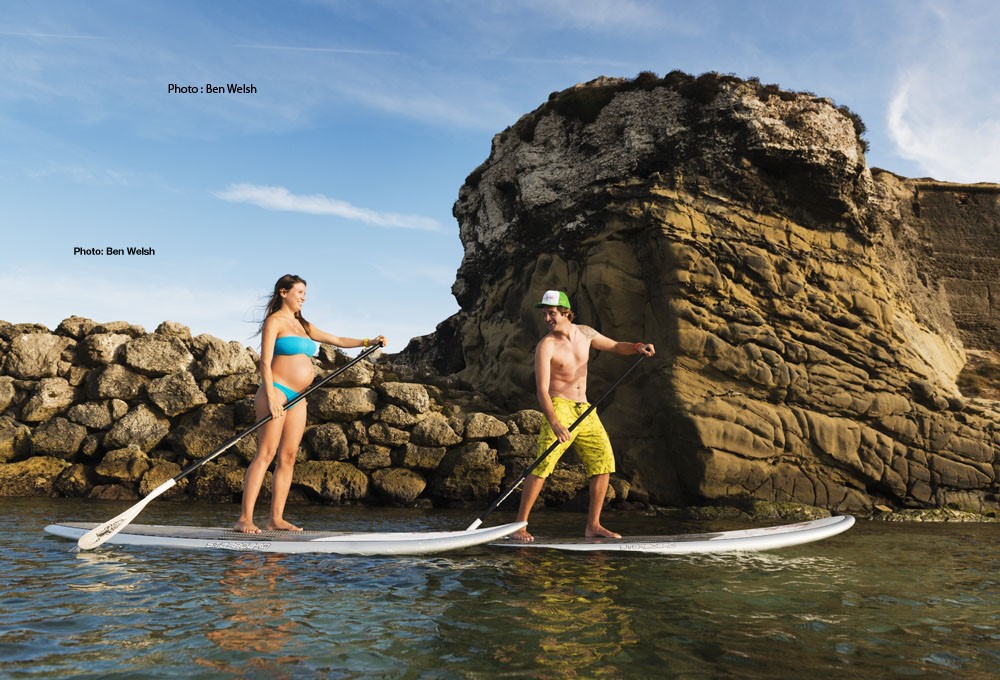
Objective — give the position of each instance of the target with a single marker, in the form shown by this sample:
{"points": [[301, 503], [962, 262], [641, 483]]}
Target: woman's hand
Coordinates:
{"points": [[274, 403]]}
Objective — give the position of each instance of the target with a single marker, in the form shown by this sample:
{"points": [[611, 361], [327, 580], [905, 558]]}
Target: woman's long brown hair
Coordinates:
{"points": [[274, 304]]}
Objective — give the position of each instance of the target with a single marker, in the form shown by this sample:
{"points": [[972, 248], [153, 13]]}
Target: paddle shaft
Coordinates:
{"points": [[553, 447], [102, 533]]}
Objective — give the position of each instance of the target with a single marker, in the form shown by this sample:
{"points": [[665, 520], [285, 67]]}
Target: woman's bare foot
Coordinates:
{"points": [[282, 526], [600, 532], [246, 526], [521, 535]]}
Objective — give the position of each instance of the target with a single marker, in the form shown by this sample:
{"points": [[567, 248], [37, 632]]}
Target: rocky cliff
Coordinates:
{"points": [[813, 317]]}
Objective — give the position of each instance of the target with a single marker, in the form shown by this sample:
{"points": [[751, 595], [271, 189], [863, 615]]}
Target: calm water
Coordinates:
{"points": [[881, 601]]}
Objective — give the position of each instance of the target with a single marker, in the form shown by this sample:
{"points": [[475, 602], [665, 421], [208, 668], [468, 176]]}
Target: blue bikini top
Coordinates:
{"points": [[295, 344]]}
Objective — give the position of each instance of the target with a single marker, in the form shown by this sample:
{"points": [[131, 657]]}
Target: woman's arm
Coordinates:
{"points": [[267, 338], [343, 342]]}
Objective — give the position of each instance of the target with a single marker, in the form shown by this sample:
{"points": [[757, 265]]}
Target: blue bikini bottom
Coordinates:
{"points": [[290, 393]]}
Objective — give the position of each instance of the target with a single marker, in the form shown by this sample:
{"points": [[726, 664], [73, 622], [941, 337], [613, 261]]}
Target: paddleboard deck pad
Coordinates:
{"points": [[766, 538], [335, 542]]}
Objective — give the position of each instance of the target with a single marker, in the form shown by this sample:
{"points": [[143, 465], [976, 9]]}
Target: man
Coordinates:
{"points": [[561, 359]]}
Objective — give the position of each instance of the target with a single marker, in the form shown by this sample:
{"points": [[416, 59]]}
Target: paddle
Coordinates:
{"points": [[103, 532], [555, 444]]}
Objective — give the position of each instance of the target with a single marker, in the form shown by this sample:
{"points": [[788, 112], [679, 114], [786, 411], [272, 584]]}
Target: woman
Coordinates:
{"points": [[287, 344]]}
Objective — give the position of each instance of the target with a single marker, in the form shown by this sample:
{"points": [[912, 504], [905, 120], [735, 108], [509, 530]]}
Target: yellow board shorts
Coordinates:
{"points": [[589, 440]]}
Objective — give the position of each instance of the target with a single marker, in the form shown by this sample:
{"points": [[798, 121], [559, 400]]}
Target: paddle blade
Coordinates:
{"points": [[103, 532]]}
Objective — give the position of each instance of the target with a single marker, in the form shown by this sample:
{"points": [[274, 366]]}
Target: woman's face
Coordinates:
{"points": [[295, 297]]}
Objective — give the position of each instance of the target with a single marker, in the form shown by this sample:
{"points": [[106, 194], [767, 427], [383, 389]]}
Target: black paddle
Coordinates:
{"points": [[103, 532], [555, 444]]}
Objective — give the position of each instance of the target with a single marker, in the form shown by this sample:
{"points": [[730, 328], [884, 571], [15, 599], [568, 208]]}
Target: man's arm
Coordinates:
{"points": [[605, 344], [543, 379]]}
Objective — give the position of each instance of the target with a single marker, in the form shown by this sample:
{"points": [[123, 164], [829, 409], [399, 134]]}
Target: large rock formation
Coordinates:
{"points": [[812, 316]]}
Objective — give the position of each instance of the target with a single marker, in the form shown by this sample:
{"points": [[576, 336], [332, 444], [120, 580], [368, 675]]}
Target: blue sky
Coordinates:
{"points": [[368, 115]]}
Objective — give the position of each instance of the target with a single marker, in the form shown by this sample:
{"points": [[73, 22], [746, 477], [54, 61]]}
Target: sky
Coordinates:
{"points": [[362, 118]]}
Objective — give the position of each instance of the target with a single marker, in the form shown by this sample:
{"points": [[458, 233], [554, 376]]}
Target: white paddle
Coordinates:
{"points": [[103, 532]]}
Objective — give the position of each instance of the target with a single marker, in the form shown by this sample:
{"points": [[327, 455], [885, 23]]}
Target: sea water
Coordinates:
{"points": [[882, 600]]}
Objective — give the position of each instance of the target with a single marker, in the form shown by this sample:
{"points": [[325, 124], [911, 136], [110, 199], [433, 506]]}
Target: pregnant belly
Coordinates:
{"points": [[294, 371]]}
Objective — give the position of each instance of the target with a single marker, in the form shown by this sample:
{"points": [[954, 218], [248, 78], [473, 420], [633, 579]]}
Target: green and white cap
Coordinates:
{"points": [[554, 298]]}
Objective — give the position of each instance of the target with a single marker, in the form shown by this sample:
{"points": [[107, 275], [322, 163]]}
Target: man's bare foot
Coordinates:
{"points": [[521, 535], [600, 532], [282, 526], [246, 527]]}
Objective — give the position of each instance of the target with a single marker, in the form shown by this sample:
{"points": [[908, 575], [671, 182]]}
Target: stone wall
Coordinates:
{"points": [[110, 411]]}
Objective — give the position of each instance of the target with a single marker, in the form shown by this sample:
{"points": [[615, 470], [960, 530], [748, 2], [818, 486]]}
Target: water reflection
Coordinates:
{"points": [[879, 601], [253, 633]]}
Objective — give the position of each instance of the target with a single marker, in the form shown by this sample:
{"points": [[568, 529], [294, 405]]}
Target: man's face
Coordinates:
{"points": [[553, 316]]}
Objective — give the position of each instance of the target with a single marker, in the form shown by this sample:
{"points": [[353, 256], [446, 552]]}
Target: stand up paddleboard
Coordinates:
{"points": [[335, 542], [767, 538]]}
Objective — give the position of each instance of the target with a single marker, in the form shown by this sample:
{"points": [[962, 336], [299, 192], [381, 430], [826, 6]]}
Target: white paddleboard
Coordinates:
{"points": [[337, 542], [767, 538]]}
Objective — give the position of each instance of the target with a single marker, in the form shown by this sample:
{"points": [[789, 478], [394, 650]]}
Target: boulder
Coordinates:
{"points": [[173, 329], [327, 442], [332, 481], [219, 482], [434, 430], [141, 427], [360, 374], [97, 415], [58, 438], [159, 472], [124, 465], [218, 358], [116, 382], [394, 416], [410, 396], [15, 440], [51, 396], [381, 433], [75, 327], [75, 481], [373, 457], [484, 426], [176, 393], [7, 392], [468, 473], [32, 477], [397, 485], [232, 388], [33, 356], [343, 403], [101, 349], [156, 355], [199, 433], [426, 458]]}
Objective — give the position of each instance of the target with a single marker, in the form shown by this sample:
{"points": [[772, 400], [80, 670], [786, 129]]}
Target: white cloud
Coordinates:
{"points": [[944, 113], [280, 198]]}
